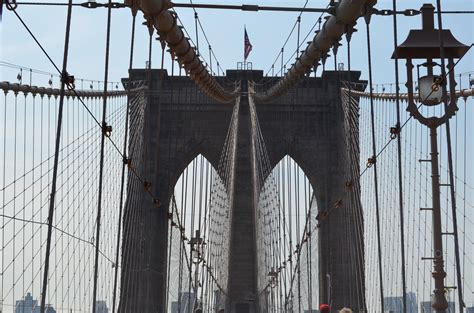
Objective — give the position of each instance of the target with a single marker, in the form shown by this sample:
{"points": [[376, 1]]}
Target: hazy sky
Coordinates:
{"points": [[267, 32]]}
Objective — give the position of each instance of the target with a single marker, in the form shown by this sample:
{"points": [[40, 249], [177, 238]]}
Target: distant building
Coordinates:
{"points": [[470, 309], [185, 303], [426, 307], [174, 307], [395, 304], [312, 311], [28, 305], [101, 307]]}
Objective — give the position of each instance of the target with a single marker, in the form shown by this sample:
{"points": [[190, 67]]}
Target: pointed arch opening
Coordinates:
{"points": [[198, 238], [287, 243]]}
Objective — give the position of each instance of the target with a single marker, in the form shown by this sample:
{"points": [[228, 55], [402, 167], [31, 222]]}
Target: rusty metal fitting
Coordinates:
{"points": [[371, 161], [127, 161], [106, 129], [68, 80], [337, 204], [349, 184], [147, 185], [394, 131]]}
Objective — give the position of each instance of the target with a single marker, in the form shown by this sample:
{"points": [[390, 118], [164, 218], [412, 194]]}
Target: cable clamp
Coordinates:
{"points": [[437, 81], [349, 185], [394, 131], [106, 129], [337, 204], [115, 5], [147, 185], [321, 215], [384, 12], [11, 5], [411, 12], [91, 5], [371, 161], [127, 161], [68, 80], [157, 202]]}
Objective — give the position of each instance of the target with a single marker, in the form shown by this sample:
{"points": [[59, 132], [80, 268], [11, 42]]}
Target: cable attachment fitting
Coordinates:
{"points": [[437, 82], [369, 10], [321, 216], [349, 184], [11, 5], [106, 129], [394, 131], [371, 161], [337, 204], [68, 80], [127, 161], [147, 185], [90, 5], [157, 202]]}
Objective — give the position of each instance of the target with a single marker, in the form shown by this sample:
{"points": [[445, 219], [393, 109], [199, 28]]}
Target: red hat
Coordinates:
{"points": [[324, 308]]}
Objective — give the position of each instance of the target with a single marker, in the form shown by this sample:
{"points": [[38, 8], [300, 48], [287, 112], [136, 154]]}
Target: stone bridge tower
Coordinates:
{"points": [[306, 124]]}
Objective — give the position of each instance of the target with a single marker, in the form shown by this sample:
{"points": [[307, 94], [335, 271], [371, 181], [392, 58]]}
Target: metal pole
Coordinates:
{"points": [[438, 301]]}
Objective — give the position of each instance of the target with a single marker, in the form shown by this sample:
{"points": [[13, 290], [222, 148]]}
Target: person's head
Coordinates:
{"points": [[324, 308], [345, 310]]}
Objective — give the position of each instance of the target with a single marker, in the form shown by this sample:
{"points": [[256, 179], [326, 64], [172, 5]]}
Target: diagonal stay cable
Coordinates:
{"points": [[69, 85], [132, 169], [62, 231]]}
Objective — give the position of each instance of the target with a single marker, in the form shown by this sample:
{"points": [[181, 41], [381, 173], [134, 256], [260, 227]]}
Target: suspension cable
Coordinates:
{"points": [[450, 159], [101, 162], [374, 151], [399, 155], [65, 78], [125, 161]]}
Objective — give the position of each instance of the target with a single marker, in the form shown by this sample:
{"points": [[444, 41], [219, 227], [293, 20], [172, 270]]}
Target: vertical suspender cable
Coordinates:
{"points": [[64, 79], [400, 174], [298, 37], [210, 59], [349, 31], [374, 153], [282, 73], [450, 161], [101, 169], [125, 157], [197, 34]]}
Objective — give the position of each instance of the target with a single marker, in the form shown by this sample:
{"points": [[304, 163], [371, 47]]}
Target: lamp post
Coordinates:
{"points": [[424, 44]]}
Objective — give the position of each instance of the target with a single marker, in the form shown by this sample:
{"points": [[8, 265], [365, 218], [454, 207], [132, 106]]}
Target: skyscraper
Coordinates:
{"points": [[28, 305], [395, 304], [101, 307]]}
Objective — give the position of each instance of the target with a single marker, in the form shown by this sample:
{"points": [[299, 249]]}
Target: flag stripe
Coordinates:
{"points": [[247, 45]]}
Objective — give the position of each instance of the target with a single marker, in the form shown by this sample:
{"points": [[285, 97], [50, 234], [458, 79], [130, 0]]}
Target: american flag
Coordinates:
{"points": [[247, 45]]}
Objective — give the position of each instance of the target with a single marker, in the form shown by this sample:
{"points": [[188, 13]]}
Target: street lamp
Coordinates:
{"points": [[424, 44]]}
